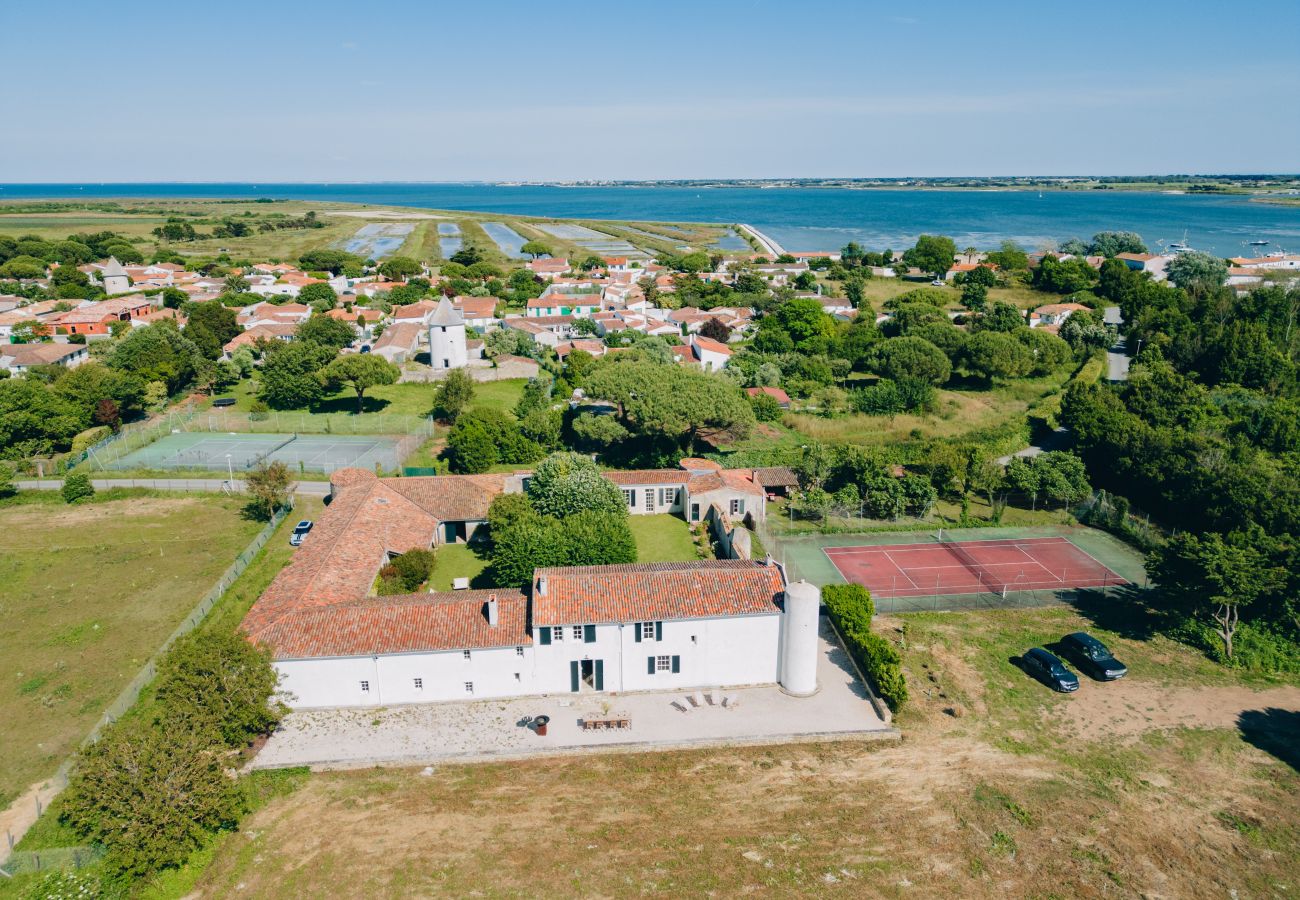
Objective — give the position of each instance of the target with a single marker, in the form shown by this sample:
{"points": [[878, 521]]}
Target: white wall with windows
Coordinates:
{"points": [[406, 678], [649, 500], [642, 656]]}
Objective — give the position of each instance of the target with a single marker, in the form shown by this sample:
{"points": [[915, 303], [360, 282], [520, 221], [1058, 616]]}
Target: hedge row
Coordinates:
{"points": [[851, 609]]}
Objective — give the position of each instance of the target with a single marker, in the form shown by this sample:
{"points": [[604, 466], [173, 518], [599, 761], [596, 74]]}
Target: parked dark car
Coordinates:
{"points": [[1092, 656], [300, 531], [1050, 670]]}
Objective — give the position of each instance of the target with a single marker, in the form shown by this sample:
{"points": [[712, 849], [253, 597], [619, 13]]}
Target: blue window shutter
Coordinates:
{"points": [[574, 676], [636, 630], [677, 664], [659, 631], [650, 665], [600, 674], [589, 634], [544, 634]]}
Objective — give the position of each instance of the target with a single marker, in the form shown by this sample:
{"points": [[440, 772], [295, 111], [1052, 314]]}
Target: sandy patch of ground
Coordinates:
{"points": [[1127, 709], [381, 214]]}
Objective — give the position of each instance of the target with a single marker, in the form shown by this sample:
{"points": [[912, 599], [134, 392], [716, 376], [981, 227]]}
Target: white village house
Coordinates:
{"points": [[651, 626]]}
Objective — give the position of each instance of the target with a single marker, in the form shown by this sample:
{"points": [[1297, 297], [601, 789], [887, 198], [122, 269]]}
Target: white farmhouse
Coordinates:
{"points": [[650, 626]]}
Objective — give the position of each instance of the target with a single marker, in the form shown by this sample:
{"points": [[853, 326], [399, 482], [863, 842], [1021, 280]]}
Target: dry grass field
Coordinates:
{"points": [[1179, 782]]}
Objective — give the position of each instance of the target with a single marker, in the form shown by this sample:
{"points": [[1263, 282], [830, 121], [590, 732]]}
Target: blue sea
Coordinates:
{"points": [[807, 218]]}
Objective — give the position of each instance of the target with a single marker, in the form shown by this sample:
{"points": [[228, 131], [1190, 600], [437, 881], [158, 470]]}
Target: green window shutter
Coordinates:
{"points": [[544, 634], [659, 631], [650, 665], [677, 664], [600, 674], [589, 634], [636, 631], [574, 676]]}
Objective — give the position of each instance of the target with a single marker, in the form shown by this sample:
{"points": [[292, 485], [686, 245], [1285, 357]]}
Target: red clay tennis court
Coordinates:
{"points": [[970, 567]]}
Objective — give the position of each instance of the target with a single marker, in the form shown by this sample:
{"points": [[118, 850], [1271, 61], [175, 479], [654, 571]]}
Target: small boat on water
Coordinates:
{"points": [[1258, 243]]}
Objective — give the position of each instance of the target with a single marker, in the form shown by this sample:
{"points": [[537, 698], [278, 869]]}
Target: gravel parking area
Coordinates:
{"points": [[436, 732]]}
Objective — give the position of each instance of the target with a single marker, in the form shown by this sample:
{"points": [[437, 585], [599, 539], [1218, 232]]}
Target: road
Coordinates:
{"points": [[770, 247], [202, 485], [1117, 358]]}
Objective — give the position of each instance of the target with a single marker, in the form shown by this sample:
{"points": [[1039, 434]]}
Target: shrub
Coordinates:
{"points": [[150, 795], [77, 487], [90, 437], [412, 568], [766, 408], [851, 609], [216, 679], [850, 606], [882, 664]]}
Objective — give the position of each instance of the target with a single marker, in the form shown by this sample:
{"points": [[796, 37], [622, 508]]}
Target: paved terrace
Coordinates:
{"points": [[495, 729]]}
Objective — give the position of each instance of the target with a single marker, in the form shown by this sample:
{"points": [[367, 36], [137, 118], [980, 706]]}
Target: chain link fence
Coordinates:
{"points": [[52, 859]]}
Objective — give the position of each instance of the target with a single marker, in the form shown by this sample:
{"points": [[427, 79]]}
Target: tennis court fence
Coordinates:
{"points": [[413, 430]]}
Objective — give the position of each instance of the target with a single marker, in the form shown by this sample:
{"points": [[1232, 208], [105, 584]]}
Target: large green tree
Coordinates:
{"points": [[567, 483], [361, 372], [932, 253], [291, 374], [911, 357]]}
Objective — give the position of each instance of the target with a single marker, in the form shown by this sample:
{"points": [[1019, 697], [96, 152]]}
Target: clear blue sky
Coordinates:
{"points": [[432, 91]]}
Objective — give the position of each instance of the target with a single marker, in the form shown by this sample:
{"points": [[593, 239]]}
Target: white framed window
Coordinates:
{"points": [[519, 651], [557, 634], [419, 684], [577, 632], [466, 653], [365, 687], [629, 497], [469, 687], [647, 631], [737, 507], [663, 663]]}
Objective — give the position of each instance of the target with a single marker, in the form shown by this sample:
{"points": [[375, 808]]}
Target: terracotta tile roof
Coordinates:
{"points": [[40, 354], [476, 307], [775, 392], [257, 332], [403, 624], [776, 476], [645, 592], [400, 334], [340, 559], [647, 476], [711, 345], [699, 464], [457, 498]]}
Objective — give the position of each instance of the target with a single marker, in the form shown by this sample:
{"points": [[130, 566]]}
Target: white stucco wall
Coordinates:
{"points": [[713, 653], [336, 681]]}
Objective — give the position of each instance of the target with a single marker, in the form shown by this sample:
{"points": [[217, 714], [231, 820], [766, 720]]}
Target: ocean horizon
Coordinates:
{"points": [[799, 218]]}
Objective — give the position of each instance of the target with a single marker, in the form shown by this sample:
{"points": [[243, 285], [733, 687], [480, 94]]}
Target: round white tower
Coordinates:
{"points": [[447, 337], [799, 639]]}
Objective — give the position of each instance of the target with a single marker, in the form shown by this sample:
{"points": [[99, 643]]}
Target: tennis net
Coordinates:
{"points": [[955, 548], [262, 457]]}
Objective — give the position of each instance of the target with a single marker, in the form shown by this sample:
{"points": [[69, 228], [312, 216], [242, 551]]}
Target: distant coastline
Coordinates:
{"points": [[809, 215]]}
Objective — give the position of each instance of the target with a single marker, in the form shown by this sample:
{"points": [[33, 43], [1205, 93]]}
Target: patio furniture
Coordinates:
{"points": [[697, 698], [731, 701], [681, 705]]}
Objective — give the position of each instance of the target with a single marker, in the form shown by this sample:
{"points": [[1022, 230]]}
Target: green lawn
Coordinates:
{"points": [[90, 591], [662, 538], [459, 561], [337, 412]]}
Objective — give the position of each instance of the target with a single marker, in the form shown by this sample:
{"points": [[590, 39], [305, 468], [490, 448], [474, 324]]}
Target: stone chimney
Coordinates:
{"points": [[493, 616], [541, 586]]}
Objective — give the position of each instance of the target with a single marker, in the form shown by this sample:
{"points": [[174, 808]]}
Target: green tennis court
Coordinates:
{"points": [[218, 452]]}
